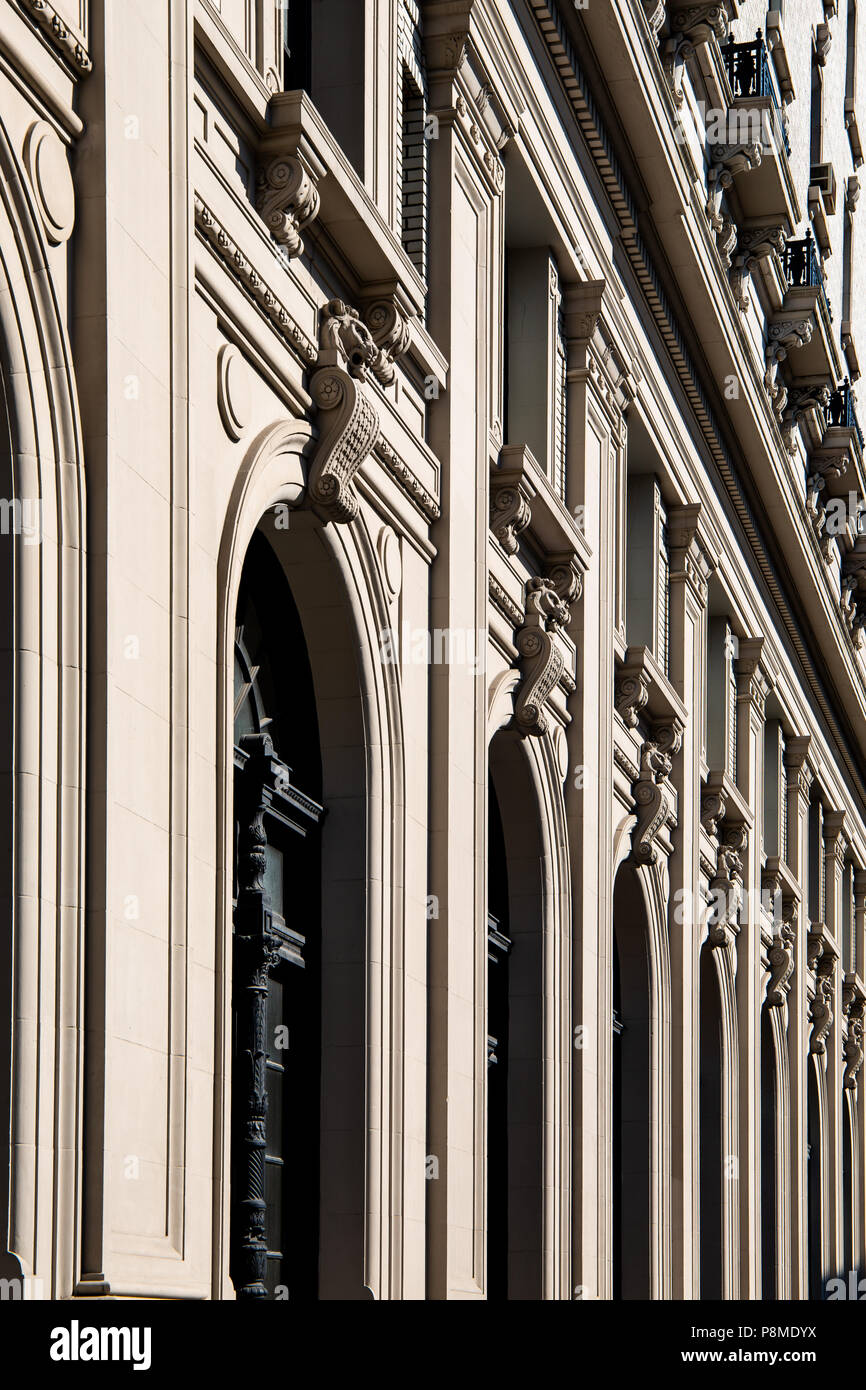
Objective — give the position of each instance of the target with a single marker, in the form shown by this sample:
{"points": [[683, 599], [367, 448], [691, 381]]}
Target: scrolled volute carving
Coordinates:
{"points": [[509, 514], [631, 694], [781, 955], [287, 199], [726, 887], [854, 1005], [653, 798], [547, 611], [349, 423], [821, 1014], [390, 330]]}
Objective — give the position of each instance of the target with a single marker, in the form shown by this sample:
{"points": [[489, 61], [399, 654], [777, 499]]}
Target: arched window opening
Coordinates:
{"points": [[631, 1007], [814, 1186], [769, 1161], [276, 958], [498, 949], [518, 1085], [711, 1168], [848, 1168]]}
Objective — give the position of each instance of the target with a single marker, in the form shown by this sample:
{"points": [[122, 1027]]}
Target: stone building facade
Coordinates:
{"points": [[434, 679]]}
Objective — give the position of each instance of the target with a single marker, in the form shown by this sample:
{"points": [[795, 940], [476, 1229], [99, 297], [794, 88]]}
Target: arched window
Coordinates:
{"points": [[276, 1009], [769, 1161], [632, 1095], [711, 1083], [815, 1183]]}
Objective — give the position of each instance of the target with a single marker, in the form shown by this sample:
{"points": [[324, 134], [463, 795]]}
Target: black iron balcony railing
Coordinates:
{"points": [[801, 264], [839, 410], [748, 68]]}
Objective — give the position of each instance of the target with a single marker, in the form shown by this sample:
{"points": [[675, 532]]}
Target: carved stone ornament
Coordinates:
{"points": [[821, 1014], [655, 15], [390, 329], [802, 401], [754, 244], [548, 600], [287, 199], [781, 955], [713, 807], [690, 25], [653, 799], [509, 513], [631, 694], [349, 423], [726, 887], [854, 1004]]}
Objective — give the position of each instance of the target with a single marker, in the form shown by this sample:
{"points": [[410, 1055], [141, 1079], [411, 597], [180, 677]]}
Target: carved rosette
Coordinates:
{"points": [[287, 199], [548, 600]]}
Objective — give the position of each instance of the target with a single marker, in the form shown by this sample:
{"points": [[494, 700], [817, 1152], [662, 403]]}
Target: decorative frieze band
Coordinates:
{"points": [[249, 279], [55, 30]]}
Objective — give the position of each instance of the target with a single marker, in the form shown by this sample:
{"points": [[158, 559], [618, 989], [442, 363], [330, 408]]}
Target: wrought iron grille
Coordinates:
{"points": [[749, 73], [839, 410]]}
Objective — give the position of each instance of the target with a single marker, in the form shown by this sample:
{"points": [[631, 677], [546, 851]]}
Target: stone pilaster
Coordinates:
{"points": [[835, 849], [690, 568], [466, 178], [798, 782], [752, 689]]}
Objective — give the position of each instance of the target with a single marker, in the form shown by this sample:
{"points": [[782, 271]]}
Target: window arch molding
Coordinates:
{"points": [[336, 582]]}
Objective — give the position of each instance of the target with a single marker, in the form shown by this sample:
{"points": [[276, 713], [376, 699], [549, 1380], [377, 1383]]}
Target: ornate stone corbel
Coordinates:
{"points": [[548, 599], [754, 244], [803, 401], [390, 329], [821, 1014], [782, 337], [852, 600], [713, 806], [631, 694], [287, 198], [781, 954], [349, 423], [509, 512], [853, 1004], [727, 886], [650, 802], [690, 25]]}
